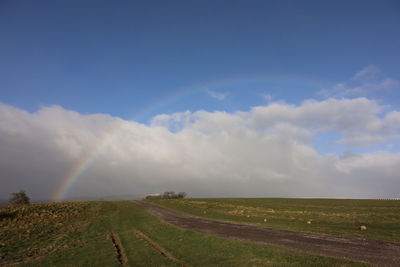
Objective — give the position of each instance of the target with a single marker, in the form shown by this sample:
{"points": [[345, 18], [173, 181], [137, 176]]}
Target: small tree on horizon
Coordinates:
{"points": [[19, 198]]}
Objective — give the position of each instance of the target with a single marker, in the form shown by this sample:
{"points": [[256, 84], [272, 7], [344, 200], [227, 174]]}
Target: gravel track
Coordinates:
{"points": [[376, 252]]}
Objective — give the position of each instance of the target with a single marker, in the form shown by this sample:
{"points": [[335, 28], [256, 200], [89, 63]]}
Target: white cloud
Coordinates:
{"points": [[367, 140], [367, 82], [267, 151], [368, 72], [266, 97], [360, 121], [217, 95], [344, 116]]}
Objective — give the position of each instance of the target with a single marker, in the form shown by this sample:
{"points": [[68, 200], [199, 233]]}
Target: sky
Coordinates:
{"points": [[214, 98]]}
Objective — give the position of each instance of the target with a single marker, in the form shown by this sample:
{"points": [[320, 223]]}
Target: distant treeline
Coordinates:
{"points": [[167, 195]]}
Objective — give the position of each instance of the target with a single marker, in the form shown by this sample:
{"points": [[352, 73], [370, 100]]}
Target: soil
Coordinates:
{"points": [[376, 252], [118, 251]]}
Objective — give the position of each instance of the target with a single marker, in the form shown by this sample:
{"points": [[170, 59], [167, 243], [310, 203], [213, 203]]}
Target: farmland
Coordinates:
{"points": [[121, 233], [342, 217]]}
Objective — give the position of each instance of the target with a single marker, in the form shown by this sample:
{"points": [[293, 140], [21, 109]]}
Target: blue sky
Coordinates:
{"points": [[123, 57], [301, 97]]}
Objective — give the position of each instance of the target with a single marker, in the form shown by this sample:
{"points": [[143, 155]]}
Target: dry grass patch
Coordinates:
{"points": [[31, 231]]}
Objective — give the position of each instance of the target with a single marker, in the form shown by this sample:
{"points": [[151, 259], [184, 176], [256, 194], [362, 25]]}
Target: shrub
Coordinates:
{"points": [[19, 198], [181, 195], [166, 195]]}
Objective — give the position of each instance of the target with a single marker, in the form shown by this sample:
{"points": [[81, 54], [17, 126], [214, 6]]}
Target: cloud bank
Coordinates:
{"points": [[267, 151]]}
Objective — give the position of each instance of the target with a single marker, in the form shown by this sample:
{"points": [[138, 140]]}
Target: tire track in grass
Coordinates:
{"points": [[158, 248], [118, 249]]}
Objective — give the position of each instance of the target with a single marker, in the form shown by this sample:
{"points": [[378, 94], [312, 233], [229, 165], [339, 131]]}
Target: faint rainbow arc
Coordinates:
{"points": [[92, 154]]}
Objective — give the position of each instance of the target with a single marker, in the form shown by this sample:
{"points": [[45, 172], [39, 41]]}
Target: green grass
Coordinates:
{"points": [[342, 217], [78, 234], [39, 232]]}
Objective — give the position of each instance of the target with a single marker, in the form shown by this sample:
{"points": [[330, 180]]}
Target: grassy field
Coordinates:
{"points": [[342, 217], [91, 233]]}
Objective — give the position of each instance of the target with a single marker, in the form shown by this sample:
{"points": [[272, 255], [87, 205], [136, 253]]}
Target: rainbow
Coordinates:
{"points": [[87, 160]]}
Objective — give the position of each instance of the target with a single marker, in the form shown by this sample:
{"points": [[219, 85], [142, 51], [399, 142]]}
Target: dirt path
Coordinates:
{"points": [[375, 252]]}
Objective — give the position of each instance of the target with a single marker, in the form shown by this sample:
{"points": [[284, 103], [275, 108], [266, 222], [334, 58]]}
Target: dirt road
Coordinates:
{"points": [[375, 252]]}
